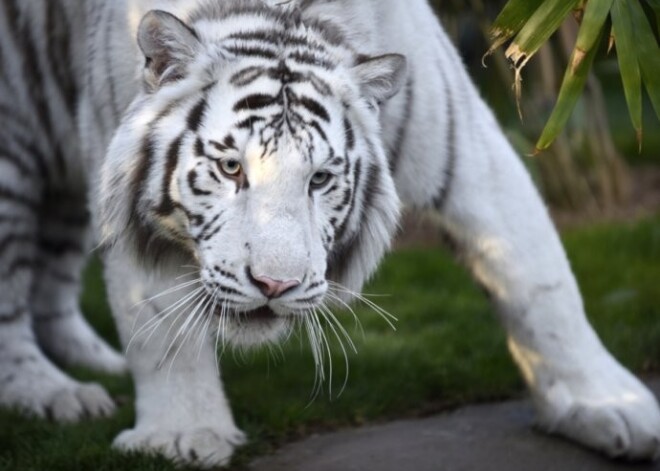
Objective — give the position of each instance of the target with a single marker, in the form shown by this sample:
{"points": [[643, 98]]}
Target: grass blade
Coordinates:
{"points": [[626, 51], [571, 89]]}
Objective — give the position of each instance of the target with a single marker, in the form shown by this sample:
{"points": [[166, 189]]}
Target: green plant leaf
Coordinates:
{"points": [[511, 19], [655, 4], [626, 51], [648, 53], [532, 22], [571, 90], [594, 18], [541, 25]]}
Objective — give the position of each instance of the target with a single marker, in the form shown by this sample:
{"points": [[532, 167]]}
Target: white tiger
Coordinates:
{"points": [[262, 146]]}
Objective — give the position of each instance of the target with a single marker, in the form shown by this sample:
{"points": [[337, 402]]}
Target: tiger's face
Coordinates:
{"points": [[260, 161], [268, 180]]}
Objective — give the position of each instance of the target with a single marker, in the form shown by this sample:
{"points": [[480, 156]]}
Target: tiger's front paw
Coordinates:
{"points": [[608, 410], [32, 384], [204, 447]]}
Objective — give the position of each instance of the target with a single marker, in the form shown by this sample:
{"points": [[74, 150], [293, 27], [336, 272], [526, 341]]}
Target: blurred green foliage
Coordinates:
{"points": [[470, 22]]}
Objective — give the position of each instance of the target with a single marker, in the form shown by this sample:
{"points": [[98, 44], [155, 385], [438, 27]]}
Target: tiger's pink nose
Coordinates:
{"points": [[272, 288]]}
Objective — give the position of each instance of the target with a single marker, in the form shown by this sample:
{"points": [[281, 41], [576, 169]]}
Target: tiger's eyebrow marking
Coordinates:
{"points": [[250, 122], [229, 143], [333, 160], [314, 107], [255, 101], [247, 76], [336, 161]]}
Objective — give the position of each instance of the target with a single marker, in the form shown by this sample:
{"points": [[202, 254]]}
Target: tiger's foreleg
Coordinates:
{"points": [[169, 335], [61, 330], [28, 380], [450, 155], [500, 228]]}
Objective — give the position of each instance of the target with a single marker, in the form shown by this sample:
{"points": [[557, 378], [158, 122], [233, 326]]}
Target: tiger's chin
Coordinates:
{"points": [[253, 328]]}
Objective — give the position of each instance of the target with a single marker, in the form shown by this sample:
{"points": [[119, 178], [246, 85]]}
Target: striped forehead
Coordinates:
{"points": [[281, 29], [274, 81], [275, 102]]}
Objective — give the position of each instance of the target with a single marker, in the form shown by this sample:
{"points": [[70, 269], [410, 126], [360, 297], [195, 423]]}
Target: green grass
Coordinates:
{"points": [[448, 350]]}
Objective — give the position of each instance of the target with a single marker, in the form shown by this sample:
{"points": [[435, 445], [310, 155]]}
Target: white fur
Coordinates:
{"points": [[496, 217], [275, 229], [181, 409], [452, 157], [42, 253], [493, 212], [31, 383]]}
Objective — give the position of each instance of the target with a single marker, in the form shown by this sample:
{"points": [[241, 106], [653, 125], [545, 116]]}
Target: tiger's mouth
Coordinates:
{"points": [[261, 315], [253, 328]]}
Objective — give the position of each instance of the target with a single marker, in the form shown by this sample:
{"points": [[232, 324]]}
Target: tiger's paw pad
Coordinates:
{"points": [[70, 341], [202, 447], [622, 420]]}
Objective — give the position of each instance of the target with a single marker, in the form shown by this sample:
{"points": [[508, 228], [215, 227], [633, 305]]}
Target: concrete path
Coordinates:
{"points": [[495, 437]]}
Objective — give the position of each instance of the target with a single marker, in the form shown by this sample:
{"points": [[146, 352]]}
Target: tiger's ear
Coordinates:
{"points": [[381, 77], [168, 45]]}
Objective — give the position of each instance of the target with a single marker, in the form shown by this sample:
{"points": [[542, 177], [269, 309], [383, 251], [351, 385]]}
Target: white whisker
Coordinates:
{"points": [[317, 355], [189, 326], [176, 309], [149, 327], [326, 313], [225, 318], [171, 290], [333, 319], [189, 317], [387, 317], [219, 332], [210, 316], [326, 344], [197, 318], [346, 306], [144, 303]]}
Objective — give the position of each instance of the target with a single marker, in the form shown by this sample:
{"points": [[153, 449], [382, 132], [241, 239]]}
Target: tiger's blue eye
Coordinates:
{"points": [[231, 167], [320, 179]]}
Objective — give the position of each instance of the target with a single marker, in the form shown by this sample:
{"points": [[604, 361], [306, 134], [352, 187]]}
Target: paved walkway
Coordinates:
{"points": [[495, 437]]}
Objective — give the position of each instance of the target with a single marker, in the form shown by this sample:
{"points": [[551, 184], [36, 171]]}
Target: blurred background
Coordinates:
{"points": [[595, 170]]}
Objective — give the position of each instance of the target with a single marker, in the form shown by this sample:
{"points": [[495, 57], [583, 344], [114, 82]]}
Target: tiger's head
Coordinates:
{"points": [[254, 153]]}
